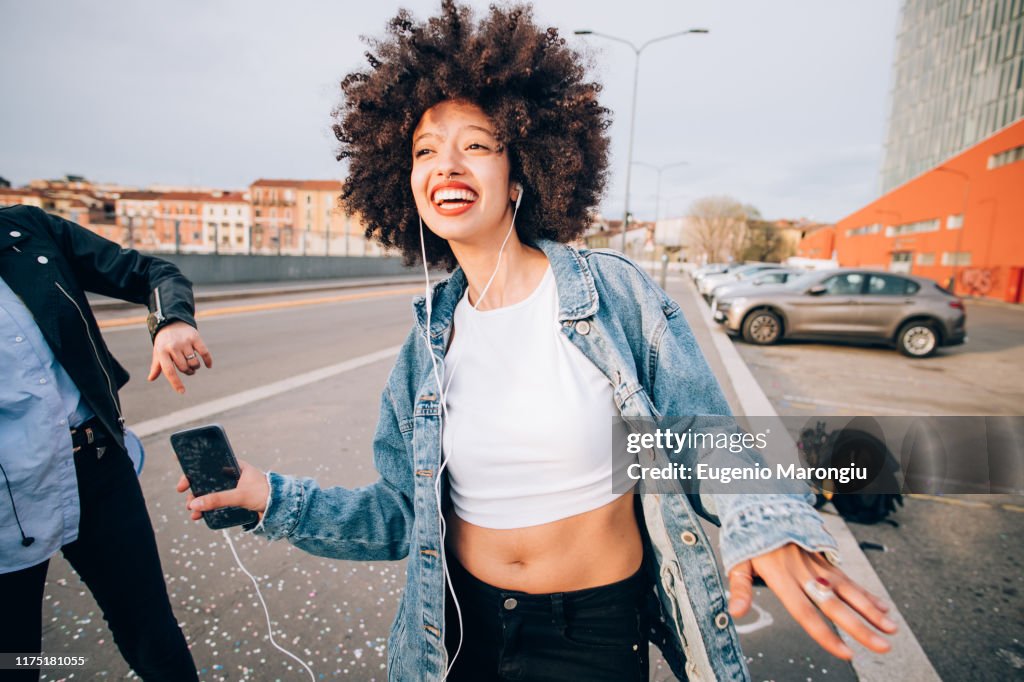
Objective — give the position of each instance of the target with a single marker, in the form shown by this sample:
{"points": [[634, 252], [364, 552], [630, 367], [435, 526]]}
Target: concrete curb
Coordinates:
{"points": [[906, 660]]}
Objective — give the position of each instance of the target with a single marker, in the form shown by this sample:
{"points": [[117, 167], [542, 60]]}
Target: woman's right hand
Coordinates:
{"points": [[252, 492]]}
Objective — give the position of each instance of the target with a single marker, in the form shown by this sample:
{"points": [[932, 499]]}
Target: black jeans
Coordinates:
{"points": [[116, 555], [595, 634]]}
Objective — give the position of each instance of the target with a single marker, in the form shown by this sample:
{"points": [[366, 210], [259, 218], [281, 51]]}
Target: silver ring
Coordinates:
{"points": [[818, 592], [190, 357]]}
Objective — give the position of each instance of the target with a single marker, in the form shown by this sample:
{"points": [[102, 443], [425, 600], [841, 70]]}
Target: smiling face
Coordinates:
{"points": [[460, 175]]}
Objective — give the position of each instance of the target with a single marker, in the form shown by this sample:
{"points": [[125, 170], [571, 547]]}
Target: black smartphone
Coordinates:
{"points": [[209, 464]]}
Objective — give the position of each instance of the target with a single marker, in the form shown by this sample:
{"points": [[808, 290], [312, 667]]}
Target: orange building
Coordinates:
{"points": [[304, 217], [961, 223], [178, 224], [820, 243]]}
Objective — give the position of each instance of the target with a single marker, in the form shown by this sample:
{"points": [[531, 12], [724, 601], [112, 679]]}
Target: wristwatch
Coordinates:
{"points": [[155, 322]]}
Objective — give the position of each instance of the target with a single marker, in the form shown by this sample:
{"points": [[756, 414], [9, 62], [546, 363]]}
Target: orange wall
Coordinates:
{"points": [[818, 244], [991, 201]]}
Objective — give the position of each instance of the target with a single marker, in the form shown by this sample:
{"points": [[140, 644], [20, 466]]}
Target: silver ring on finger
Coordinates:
{"points": [[819, 590], [190, 356]]}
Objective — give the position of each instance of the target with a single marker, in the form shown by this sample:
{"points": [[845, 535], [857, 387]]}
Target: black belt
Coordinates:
{"points": [[89, 436]]}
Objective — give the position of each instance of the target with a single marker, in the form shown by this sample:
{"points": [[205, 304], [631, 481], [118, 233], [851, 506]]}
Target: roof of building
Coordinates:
{"points": [[227, 197], [299, 184], [140, 196], [10, 191]]}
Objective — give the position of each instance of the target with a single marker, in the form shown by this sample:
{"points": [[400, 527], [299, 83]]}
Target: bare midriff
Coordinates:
{"points": [[596, 548]]}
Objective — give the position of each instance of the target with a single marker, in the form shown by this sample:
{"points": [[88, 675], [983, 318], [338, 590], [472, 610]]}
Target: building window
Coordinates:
{"points": [[956, 258], [955, 222], [926, 259], [910, 228], [866, 229], [1003, 158]]}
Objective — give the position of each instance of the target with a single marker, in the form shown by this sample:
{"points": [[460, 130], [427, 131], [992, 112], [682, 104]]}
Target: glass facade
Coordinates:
{"points": [[957, 79]]}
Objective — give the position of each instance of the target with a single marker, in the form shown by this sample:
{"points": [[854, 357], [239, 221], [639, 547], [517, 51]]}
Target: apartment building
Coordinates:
{"points": [[227, 222]]}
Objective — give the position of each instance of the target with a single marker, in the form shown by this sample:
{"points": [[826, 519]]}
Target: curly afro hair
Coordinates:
{"points": [[524, 78]]}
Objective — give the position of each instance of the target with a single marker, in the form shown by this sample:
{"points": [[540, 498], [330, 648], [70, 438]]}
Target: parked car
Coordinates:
{"points": [[760, 278], [914, 314], [708, 282], [709, 269]]}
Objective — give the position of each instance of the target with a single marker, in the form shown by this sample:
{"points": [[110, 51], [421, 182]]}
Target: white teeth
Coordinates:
{"points": [[452, 194]]}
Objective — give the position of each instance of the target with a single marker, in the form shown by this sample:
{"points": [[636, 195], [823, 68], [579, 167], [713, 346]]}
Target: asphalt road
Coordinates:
{"points": [[331, 613]]}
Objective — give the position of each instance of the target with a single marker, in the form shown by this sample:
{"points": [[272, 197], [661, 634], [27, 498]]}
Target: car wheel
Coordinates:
{"points": [[762, 327], [918, 339]]}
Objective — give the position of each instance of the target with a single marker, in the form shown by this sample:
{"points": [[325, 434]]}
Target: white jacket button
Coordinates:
{"points": [[510, 604], [15, 233], [688, 538], [583, 327], [43, 259], [722, 621]]}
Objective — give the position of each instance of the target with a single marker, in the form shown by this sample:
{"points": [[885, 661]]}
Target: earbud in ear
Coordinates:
{"points": [[519, 194]]}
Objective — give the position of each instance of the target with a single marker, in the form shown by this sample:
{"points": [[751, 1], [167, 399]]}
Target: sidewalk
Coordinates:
{"points": [[907, 660]]}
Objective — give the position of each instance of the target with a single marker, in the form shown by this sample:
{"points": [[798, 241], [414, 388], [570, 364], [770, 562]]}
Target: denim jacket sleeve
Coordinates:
{"points": [[752, 524], [369, 523]]}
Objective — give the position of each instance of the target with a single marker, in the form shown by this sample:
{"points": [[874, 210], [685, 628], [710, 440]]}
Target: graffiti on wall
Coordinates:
{"points": [[979, 281]]}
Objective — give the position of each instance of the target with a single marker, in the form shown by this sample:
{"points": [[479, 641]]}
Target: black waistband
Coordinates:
{"points": [[464, 580], [88, 435]]}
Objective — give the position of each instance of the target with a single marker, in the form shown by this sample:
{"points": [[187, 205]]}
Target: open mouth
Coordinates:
{"points": [[449, 199]]}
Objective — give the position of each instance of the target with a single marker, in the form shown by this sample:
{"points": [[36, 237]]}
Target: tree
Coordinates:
{"points": [[764, 242], [718, 228]]}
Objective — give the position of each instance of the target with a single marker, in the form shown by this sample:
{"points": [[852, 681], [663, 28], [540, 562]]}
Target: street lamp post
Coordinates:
{"points": [[657, 193], [632, 119]]}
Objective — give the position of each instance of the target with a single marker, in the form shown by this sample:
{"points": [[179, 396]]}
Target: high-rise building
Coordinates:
{"points": [[958, 77]]}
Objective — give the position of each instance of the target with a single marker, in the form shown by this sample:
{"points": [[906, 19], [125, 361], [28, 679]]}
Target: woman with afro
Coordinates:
{"points": [[479, 147]]}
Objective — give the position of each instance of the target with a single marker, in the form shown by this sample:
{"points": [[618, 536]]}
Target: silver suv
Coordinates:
{"points": [[912, 313]]}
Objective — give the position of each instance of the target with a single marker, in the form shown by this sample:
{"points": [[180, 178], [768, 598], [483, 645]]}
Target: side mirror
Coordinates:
{"points": [[817, 290]]}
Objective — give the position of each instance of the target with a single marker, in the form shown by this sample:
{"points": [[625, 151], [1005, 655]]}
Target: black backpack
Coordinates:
{"points": [[868, 508]]}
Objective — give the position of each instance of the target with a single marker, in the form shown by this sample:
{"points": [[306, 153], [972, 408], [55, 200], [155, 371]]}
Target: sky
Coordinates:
{"points": [[783, 105]]}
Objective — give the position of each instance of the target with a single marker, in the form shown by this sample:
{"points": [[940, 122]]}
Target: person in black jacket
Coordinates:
{"points": [[64, 449]]}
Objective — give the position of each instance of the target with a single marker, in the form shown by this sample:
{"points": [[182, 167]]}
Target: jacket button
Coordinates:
{"points": [[510, 604], [688, 538], [43, 259], [15, 233], [583, 327], [722, 621]]}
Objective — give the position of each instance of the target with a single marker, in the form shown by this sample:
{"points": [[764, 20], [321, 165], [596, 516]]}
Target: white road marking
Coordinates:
{"points": [[206, 410]]}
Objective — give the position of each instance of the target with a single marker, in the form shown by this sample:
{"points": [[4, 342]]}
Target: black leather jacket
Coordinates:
{"points": [[50, 263]]}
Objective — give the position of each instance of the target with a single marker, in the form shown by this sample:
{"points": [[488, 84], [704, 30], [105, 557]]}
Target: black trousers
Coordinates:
{"points": [[597, 634], [116, 555]]}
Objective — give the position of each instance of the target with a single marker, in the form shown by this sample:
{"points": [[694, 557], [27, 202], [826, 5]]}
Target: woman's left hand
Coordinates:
{"points": [[807, 583]]}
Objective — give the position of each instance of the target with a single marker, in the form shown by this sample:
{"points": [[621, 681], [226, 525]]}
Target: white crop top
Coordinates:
{"points": [[529, 432]]}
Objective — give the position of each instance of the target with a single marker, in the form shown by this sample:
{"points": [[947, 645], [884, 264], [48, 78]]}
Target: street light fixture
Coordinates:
{"points": [[657, 193], [632, 120]]}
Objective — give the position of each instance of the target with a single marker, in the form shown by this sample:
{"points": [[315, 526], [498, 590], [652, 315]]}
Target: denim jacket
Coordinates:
{"points": [[638, 337]]}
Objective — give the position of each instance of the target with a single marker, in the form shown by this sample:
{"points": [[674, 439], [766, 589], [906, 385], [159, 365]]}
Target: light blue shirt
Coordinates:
{"points": [[39, 403]]}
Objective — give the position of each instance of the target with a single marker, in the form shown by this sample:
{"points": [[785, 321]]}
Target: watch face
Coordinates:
{"points": [[151, 323]]}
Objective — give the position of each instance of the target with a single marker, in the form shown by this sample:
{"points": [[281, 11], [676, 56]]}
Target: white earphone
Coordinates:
{"points": [[442, 391]]}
